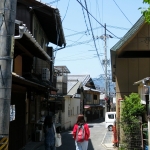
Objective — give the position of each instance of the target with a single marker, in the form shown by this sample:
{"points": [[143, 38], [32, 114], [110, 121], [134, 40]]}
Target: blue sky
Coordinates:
{"points": [[119, 16]]}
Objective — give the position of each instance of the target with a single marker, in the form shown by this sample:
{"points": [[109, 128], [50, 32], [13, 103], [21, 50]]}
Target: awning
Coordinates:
{"points": [[16, 79]]}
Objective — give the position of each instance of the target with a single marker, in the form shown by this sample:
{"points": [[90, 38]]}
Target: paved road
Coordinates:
{"points": [[99, 136]]}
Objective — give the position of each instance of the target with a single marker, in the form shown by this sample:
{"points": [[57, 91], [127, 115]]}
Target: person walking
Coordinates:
{"points": [[49, 140], [81, 133]]}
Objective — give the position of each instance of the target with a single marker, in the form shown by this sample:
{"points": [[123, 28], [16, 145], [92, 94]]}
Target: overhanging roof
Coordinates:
{"points": [[129, 34], [49, 19], [28, 43], [73, 87], [22, 81], [62, 69], [142, 81], [122, 42]]}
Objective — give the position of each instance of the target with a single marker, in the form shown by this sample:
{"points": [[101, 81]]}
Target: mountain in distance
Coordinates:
{"points": [[100, 85]]}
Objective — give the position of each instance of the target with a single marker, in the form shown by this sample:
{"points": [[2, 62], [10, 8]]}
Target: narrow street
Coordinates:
{"points": [[99, 138]]}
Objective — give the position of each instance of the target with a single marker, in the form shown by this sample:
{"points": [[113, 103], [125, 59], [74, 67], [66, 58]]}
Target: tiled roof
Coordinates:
{"points": [[74, 88], [82, 78], [87, 89], [74, 79]]}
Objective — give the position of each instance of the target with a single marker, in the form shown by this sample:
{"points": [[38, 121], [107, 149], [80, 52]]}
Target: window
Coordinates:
{"points": [[95, 97], [88, 97], [111, 116]]}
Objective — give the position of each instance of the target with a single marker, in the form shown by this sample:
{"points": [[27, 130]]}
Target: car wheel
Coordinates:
{"points": [[110, 128]]}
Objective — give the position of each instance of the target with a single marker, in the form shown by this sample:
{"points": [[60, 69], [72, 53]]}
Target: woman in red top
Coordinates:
{"points": [[81, 133]]}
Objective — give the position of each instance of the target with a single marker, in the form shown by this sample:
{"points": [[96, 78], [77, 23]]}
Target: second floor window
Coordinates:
{"points": [[95, 97], [88, 98]]}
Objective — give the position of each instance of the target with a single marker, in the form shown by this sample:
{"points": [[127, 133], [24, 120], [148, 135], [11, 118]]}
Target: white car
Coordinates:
{"points": [[110, 118]]}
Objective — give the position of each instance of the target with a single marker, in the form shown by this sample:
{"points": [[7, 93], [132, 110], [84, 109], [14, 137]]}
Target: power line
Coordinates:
{"points": [[122, 12], [81, 32], [66, 11], [93, 35], [85, 20], [96, 19]]}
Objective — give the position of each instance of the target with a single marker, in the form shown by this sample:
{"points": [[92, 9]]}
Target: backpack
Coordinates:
{"points": [[80, 134]]}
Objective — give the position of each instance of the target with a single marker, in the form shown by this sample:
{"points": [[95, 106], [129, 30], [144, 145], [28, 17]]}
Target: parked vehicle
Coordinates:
{"points": [[110, 117]]}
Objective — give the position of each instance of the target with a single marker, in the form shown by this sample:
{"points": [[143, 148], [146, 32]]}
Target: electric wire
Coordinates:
{"points": [[77, 59], [122, 12], [96, 19], [85, 20], [79, 43], [93, 35], [82, 32], [66, 11], [78, 39]]}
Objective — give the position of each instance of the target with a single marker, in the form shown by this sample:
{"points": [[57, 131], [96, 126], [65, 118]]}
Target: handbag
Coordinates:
{"points": [[58, 141]]}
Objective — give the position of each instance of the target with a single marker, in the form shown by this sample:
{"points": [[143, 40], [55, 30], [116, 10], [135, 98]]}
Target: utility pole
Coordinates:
{"points": [[105, 69], [105, 63], [7, 26]]}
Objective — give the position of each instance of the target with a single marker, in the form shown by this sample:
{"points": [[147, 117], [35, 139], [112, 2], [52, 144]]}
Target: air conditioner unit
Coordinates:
{"points": [[45, 74]]}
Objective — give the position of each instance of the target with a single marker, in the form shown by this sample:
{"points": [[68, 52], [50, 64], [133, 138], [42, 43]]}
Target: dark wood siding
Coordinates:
{"points": [[24, 14], [17, 127]]}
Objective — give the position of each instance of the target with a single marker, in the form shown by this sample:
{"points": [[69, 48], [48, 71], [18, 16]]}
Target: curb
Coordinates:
{"points": [[107, 145]]}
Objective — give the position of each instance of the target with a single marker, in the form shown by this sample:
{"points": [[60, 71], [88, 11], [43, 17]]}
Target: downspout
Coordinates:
{"points": [[60, 48], [22, 30]]}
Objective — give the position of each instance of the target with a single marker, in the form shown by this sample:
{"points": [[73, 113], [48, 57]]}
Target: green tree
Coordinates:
{"points": [[131, 110], [146, 11], [132, 107]]}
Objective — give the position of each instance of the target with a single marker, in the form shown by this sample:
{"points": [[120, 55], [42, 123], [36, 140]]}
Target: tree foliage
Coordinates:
{"points": [[146, 11], [132, 107], [131, 110]]}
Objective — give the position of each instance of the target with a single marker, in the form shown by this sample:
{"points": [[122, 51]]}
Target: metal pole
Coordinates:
{"points": [[7, 26], [105, 68]]}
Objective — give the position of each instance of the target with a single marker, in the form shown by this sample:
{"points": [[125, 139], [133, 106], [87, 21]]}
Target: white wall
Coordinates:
{"points": [[70, 114]]}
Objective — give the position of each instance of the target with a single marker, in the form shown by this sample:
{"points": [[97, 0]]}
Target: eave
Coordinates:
{"points": [[29, 45], [49, 19], [118, 47]]}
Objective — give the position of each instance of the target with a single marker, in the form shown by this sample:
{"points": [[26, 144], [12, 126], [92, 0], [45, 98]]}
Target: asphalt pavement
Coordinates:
{"points": [[100, 138]]}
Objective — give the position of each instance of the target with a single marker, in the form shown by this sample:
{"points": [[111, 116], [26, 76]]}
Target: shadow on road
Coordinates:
{"points": [[68, 142], [90, 126], [96, 121]]}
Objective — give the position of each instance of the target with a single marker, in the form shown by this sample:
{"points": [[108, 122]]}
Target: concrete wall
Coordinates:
{"points": [[70, 114]]}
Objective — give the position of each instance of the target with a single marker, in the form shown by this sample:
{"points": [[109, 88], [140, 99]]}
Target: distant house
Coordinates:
{"points": [[89, 96], [72, 105]]}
